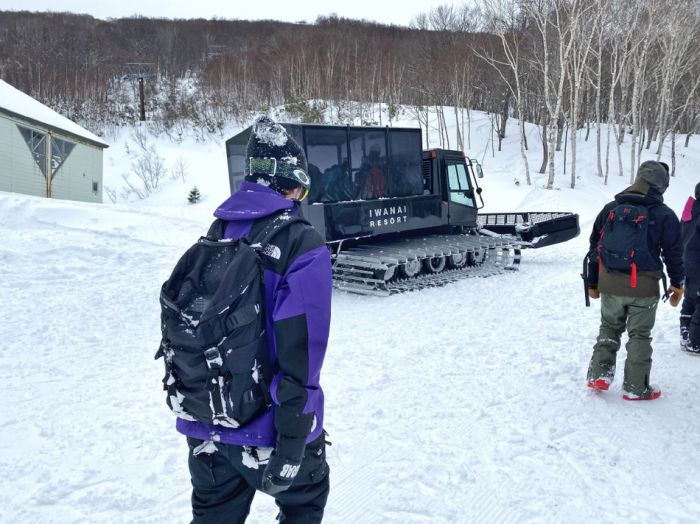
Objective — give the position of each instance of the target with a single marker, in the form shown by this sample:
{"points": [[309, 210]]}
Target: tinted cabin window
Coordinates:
{"points": [[236, 152], [327, 156], [460, 189], [294, 130], [406, 164], [369, 164]]}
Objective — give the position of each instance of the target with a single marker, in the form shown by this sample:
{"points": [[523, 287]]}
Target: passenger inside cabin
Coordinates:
{"points": [[337, 184], [406, 178], [372, 180], [317, 187]]}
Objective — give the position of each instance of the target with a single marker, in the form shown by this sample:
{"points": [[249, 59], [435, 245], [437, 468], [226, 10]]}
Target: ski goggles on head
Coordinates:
{"points": [[304, 193], [263, 166], [271, 167]]}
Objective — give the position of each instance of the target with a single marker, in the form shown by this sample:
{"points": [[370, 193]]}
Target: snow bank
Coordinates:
{"points": [[460, 404]]}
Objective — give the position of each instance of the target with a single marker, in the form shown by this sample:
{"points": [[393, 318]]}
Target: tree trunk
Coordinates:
{"points": [[607, 155], [504, 119], [597, 143], [460, 142], [523, 143], [650, 136], [444, 125], [566, 143], [469, 129], [673, 152], [560, 131], [635, 128], [493, 126], [552, 146], [545, 147]]}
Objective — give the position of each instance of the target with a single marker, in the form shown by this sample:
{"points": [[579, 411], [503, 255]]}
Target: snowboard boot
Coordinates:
{"points": [[693, 350], [600, 384], [650, 393], [685, 339]]}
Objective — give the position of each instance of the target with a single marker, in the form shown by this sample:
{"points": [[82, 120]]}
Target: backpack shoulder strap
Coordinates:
{"points": [[278, 223], [216, 230]]}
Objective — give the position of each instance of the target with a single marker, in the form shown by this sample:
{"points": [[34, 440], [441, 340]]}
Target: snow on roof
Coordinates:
{"points": [[23, 105]]}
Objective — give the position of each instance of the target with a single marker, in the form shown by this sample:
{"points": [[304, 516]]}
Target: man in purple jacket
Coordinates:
{"points": [[281, 452]]}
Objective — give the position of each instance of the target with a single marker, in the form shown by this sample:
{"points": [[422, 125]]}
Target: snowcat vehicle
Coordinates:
{"points": [[397, 218]]}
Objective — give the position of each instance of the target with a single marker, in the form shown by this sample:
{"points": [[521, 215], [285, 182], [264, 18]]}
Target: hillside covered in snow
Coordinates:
{"points": [[460, 404]]}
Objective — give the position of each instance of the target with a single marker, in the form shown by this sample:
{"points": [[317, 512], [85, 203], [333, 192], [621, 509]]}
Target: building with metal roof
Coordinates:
{"points": [[43, 153]]}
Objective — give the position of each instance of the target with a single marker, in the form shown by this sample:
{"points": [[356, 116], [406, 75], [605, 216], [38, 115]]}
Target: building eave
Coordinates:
{"points": [[53, 129]]}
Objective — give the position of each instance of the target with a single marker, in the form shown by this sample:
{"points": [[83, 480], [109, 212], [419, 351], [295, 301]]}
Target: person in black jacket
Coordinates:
{"points": [[629, 297], [690, 310]]}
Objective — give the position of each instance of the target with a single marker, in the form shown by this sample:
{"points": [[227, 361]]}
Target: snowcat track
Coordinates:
{"points": [[374, 269]]}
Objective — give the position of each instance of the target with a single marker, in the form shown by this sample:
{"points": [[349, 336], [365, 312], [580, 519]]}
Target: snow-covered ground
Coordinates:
{"points": [[462, 404]]}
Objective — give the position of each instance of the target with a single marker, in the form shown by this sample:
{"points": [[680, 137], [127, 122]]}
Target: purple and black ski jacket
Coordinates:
{"points": [[298, 286]]}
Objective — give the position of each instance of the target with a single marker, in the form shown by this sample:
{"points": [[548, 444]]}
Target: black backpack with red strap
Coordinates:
{"points": [[624, 241]]}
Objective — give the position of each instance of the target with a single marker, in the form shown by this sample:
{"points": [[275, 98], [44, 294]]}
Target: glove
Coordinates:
{"points": [[675, 295], [284, 464], [593, 292]]}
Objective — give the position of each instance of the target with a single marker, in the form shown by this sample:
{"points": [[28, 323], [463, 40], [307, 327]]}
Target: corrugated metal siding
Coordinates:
{"points": [[74, 179], [19, 172]]}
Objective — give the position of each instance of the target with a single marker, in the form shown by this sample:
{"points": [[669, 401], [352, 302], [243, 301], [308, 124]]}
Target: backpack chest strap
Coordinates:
{"points": [[242, 316]]}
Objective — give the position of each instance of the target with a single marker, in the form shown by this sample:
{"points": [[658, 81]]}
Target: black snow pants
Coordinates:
{"points": [[690, 314], [225, 478]]}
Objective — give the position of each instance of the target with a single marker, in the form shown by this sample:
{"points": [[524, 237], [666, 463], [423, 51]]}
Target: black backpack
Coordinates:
{"points": [[217, 367], [624, 241]]}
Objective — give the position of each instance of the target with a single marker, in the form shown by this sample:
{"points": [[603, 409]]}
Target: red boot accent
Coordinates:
{"points": [[600, 384], [656, 393]]}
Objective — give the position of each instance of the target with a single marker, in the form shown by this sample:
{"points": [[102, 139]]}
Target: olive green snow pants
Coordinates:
{"points": [[637, 315]]}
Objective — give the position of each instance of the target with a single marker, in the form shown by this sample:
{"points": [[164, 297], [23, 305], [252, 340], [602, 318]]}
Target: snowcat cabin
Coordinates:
{"points": [[372, 181]]}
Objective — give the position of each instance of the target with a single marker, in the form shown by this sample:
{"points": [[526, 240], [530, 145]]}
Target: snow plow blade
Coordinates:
{"points": [[535, 228]]}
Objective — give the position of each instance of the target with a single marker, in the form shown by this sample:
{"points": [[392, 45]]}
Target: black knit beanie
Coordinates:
{"points": [[274, 159]]}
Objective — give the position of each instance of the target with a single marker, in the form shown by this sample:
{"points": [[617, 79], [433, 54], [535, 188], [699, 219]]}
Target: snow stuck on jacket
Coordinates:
{"points": [[462, 404]]}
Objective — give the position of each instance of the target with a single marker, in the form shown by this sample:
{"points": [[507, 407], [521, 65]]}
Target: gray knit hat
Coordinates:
{"points": [[655, 174]]}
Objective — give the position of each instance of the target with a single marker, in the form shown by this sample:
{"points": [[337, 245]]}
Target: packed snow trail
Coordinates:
{"points": [[465, 403], [462, 404]]}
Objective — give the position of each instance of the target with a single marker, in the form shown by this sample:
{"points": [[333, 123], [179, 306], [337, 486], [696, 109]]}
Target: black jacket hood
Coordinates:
{"points": [[641, 192]]}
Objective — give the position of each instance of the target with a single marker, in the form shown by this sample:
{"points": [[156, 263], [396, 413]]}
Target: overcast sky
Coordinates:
{"points": [[386, 12]]}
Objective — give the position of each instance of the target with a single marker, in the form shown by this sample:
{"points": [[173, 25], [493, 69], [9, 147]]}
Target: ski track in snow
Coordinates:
{"points": [[460, 404]]}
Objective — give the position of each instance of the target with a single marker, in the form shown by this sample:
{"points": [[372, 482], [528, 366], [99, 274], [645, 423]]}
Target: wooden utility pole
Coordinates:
{"points": [[141, 71], [142, 103]]}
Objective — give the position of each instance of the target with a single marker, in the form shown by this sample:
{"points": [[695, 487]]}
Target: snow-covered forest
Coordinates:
{"points": [[460, 404], [559, 64]]}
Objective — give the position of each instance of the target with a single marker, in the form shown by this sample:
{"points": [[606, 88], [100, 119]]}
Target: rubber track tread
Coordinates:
{"points": [[355, 270]]}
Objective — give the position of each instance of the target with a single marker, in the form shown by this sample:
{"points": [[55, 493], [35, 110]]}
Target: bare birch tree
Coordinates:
{"points": [[558, 25], [507, 23], [679, 56], [579, 62]]}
